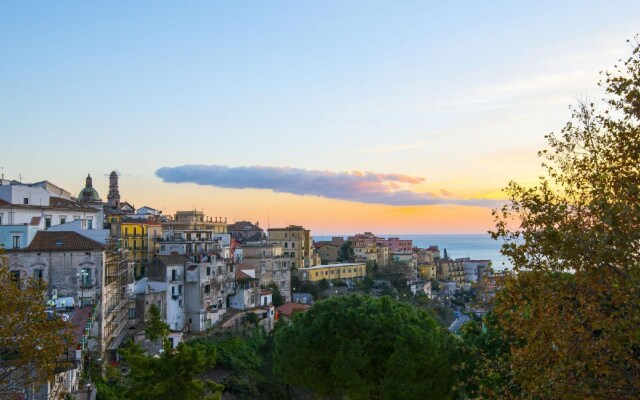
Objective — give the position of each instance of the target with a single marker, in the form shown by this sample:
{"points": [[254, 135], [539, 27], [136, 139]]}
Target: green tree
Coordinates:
{"points": [[277, 297], [156, 327], [32, 343], [175, 374], [359, 347], [573, 307], [346, 253]]}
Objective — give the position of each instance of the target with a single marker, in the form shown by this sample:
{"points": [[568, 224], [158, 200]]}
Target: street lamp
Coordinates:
{"points": [[81, 277]]}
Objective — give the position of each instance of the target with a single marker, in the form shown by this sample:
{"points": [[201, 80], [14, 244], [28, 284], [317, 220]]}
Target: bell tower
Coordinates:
{"points": [[113, 198]]}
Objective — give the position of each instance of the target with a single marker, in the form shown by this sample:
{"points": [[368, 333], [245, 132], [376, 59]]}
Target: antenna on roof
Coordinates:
{"points": [[20, 177], [2, 169]]}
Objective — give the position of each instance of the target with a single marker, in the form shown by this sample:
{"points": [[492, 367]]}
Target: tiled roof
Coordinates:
{"points": [[60, 202], [241, 225], [35, 221], [4, 203], [62, 241], [289, 308], [241, 275]]}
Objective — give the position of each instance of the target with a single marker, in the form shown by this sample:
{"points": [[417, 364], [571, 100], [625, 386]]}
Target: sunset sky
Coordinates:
{"points": [[342, 116]]}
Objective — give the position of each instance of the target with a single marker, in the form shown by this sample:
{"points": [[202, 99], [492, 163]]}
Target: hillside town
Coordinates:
{"points": [[107, 263]]}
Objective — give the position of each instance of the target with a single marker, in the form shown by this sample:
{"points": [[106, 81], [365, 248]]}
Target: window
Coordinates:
{"points": [[86, 276], [37, 274], [162, 248], [0, 219], [180, 289], [16, 242], [25, 200], [47, 222], [208, 271], [207, 288], [180, 303], [63, 219], [286, 244], [90, 223], [132, 313], [126, 231], [293, 244], [173, 274], [173, 290]]}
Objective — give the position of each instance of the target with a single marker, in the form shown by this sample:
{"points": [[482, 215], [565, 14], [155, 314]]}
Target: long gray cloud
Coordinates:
{"points": [[364, 187]]}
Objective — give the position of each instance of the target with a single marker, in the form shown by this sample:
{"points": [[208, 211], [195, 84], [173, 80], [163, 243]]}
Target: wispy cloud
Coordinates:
{"points": [[364, 187]]}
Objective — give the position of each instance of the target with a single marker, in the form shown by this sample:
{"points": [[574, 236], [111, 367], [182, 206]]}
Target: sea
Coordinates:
{"points": [[474, 246]]}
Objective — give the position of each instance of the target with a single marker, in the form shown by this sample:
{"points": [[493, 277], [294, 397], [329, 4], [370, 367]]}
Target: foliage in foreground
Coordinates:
{"points": [[573, 309], [32, 344], [365, 348], [173, 374]]}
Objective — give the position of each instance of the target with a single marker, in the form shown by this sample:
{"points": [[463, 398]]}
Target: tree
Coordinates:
{"points": [[175, 374], [156, 327], [277, 297], [33, 343], [573, 306], [359, 347], [346, 253]]}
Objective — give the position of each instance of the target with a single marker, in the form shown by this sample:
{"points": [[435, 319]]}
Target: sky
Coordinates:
{"points": [[341, 116]]}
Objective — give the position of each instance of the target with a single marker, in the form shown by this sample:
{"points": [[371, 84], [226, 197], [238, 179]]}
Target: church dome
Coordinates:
{"points": [[88, 194]]}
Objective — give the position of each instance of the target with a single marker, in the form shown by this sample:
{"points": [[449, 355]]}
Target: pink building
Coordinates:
{"points": [[394, 244]]}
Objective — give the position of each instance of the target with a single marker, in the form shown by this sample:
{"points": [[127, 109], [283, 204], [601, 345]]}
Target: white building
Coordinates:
{"points": [[196, 290]]}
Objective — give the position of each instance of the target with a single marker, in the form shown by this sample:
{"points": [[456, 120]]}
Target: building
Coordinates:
{"points": [[346, 272], [450, 270], [270, 264], [296, 243], [427, 270], [191, 232], [245, 231], [113, 198], [474, 269], [428, 255], [27, 208], [366, 252], [249, 298], [195, 289], [286, 311], [85, 270], [139, 236], [328, 250], [394, 244]]}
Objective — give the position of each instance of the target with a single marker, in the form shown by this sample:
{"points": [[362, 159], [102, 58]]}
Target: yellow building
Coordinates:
{"points": [[427, 270], [138, 236], [452, 270], [296, 243], [346, 272]]}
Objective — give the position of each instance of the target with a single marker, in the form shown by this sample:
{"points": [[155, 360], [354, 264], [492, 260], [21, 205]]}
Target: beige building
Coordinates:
{"points": [[428, 255], [328, 250], [427, 270], [383, 255], [366, 251], [296, 243], [452, 270], [193, 233], [270, 264]]}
